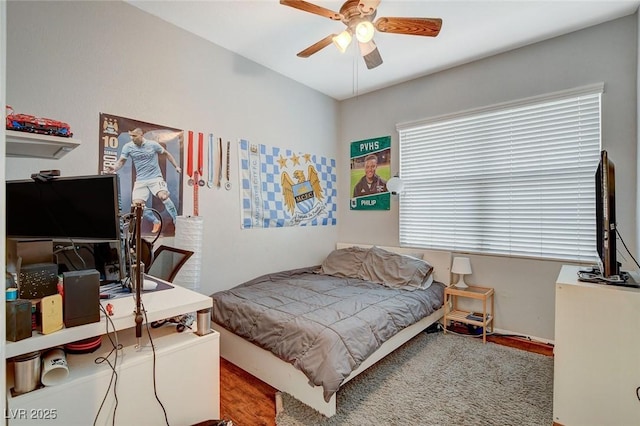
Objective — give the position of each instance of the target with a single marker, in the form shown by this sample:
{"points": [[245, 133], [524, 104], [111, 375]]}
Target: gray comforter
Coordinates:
{"points": [[324, 325]]}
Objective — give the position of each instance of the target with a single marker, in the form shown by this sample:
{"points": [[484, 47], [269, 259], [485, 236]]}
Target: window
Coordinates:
{"points": [[513, 179]]}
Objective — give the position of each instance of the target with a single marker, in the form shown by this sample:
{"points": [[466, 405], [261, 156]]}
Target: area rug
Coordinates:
{"points": [[438, 379]]}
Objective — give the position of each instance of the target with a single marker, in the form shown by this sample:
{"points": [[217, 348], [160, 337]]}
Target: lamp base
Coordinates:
{"points": [[461, 284]]}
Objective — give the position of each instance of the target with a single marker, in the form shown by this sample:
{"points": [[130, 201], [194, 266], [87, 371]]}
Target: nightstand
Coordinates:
{"points": [[452, 313]]}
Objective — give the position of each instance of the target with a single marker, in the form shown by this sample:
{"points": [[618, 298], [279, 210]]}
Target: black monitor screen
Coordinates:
{"points": [[80, 208]]}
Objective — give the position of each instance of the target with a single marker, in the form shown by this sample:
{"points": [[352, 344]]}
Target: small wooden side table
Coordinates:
{"points": [[452, 313]]}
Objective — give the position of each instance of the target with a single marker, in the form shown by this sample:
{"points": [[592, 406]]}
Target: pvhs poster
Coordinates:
{"points": [[370, 171]]}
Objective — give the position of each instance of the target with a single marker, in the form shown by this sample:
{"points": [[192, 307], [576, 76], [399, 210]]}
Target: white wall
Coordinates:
{"points": [[73, 60], [604, 53]]}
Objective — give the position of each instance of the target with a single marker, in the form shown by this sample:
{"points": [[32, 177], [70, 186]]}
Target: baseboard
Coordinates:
{"points": [[510, 339], [526, 336]]}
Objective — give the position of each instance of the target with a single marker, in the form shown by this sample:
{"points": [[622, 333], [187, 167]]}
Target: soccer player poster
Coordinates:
{"points": [[148, 159]]}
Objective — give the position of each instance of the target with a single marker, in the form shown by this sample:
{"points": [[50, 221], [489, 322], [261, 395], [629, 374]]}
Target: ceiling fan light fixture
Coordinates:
{"points": [[364, 31], [342, 41]]}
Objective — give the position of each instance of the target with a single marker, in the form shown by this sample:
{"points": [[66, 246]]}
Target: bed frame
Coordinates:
{"points": [[286, 378]]}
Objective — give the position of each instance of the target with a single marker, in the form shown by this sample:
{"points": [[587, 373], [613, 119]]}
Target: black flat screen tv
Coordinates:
{"points": [[606, 216], [79, 209]]}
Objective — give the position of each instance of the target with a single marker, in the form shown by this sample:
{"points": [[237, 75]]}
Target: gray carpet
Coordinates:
{"points": [[438, 379]]}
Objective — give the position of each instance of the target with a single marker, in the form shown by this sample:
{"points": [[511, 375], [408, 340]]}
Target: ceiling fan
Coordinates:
{"points": [[358, 16]]}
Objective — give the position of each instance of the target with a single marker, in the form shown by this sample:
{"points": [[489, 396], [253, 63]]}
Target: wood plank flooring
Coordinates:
{"points": [[245, 399], [248, 401]]}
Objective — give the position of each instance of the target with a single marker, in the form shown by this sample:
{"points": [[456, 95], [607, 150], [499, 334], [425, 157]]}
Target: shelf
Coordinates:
{"points": [[484, 294], [84, 365], [461, 316], [158, 304], [34, 145]]}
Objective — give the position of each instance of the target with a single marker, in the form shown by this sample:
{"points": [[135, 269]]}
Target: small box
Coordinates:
{"points": [[49, 314], [18, 319]]}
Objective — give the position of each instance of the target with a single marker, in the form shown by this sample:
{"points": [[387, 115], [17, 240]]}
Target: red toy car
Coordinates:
{"points": [[33, 124]]}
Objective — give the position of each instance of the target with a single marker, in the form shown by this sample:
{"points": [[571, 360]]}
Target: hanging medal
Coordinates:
{"points": [[200, 159], [190, 158], [219, 162], [210, 162], [227, 185], [196, 211]]}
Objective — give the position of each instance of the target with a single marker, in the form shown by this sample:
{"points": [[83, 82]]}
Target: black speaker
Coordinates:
{"points": [[18, 319], [81, 297]]}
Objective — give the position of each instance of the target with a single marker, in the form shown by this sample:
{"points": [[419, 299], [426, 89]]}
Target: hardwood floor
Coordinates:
{"points": [[245, 399], [248, 401]]}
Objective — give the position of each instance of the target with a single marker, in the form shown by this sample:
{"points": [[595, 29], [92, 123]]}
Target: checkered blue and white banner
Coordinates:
{"points": [[283, 188]]}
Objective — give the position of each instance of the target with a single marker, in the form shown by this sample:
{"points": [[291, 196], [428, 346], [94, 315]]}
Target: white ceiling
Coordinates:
{"points": [[271, 34]]}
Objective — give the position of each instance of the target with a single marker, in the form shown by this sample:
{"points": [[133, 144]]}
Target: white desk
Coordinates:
{"points": [[186, 371]]}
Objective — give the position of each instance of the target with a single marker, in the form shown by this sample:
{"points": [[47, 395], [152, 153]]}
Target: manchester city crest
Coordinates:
{"points": [[304, 194]]}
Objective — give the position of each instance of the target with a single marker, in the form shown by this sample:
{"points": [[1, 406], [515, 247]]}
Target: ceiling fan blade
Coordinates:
{"points": [[312, 8], [368, 6], [370, 54], [429, 27], [316, 46]]}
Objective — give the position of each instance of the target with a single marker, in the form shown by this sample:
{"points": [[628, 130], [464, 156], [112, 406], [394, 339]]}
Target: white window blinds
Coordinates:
{"points": [[516, 179]]}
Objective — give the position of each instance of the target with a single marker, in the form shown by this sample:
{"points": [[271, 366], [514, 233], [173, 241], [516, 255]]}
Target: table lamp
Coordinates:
{"points": [[462, 267]]}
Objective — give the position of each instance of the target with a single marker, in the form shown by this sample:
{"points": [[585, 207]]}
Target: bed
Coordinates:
{"points": [[266, 316]]}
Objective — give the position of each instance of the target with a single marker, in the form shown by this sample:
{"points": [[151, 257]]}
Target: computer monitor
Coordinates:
{"points": [[79, 209]]}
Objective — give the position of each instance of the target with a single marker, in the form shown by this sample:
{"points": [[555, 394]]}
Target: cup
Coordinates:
{"points": [[26, 369], [204, 322], [54, 367]]}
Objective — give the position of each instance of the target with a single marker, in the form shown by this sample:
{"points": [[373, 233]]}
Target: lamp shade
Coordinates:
{"points": [[342, 41], [462, 267], [364, 31]]}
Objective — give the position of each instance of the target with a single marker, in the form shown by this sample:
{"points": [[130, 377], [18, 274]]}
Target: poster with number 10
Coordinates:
{"points": [[151, 153], [370, 171]]}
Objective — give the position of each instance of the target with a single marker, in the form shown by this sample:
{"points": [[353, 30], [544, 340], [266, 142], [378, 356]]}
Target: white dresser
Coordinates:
{"points": [[597, 353]]}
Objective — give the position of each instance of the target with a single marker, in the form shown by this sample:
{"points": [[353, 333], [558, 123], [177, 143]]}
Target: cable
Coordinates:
{"points": [[114, 375], [488, 333], [63, 249], [75, 250], [626, 248], [69, 261], [159, 216], [153, 350]]}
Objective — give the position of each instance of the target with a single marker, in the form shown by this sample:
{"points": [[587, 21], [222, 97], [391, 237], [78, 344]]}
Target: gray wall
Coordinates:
{"points": [[606, 53], [73, 60]]}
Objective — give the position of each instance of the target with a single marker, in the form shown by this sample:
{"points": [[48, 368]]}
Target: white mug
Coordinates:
{"points": [[54, 367]]}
